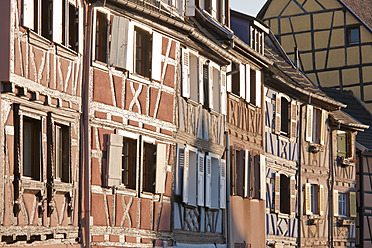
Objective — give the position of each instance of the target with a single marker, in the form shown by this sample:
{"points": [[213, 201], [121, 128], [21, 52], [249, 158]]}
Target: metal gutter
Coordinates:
{"points": [[228, 234]]}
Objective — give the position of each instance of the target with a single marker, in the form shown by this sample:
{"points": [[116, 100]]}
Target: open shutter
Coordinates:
{"points": [[185, 189], [277, 113], [323, 127], [308, 199], [258, 88], [28, 13], [185, 73], [262, 177], [200, 179], [157, 41], [353, 207], [292, 191], [210, 88], [190, 7], [242, 80], [309, 123], [247, 172], [114, 159], [119, 42], [350, 145], [201, 82], [179, 171], [229, 79], [335, 202], [247, 82], [130, 48], [161, 168], [57, 21], [293, 126], [208, 182], [277, 193], [222, 183], [223, 93], [321, 200]]}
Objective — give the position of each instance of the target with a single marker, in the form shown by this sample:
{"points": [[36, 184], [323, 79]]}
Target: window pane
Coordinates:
{"points": [[253, 87], [27, 152], [284, 118], [129, 163], [353, 35], [31, 148], [215, 183], [101, 37], [58, 158], [235, 79], [284, 194], [143, 53], [149, 167]]}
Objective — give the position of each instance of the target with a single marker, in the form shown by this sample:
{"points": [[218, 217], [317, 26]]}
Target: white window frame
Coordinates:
{"points": [[108, 14], [342, 204]]}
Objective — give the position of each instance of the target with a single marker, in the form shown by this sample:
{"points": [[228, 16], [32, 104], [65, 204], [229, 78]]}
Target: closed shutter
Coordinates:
{"points": [[248, 82], [179, 171], [114, 159], [190, 7], [335, 202], [210, 88], [222, 183], [309, 123], [258, 88], [161, 168], [277, 193], [262, 177], [157, 41], [242, 80], [28, 13], [57, 20], [119, 42], [353, 207], [180, 6], [247, 173], [292, 191], [293, 127], [185, 73], [208, 182], [223, 93], [229, 79], [277, 113], [201, 82], [130, 48], [323, 127], [350, 145], [308, 199], [321, 200], [201, 179], [186, 176]]}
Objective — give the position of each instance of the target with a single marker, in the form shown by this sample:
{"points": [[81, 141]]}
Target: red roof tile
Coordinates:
{"points": [[362, 8]]}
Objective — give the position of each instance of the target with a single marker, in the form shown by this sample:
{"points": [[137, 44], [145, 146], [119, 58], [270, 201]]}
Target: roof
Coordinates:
{"points": [[362, 8], [344, 119], [357, 110]]}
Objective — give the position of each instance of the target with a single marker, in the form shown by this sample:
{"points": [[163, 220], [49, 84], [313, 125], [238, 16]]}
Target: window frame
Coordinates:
{"points": [[147, 44], [342, 204], [94, 34], [349, 29], [66, 134]]}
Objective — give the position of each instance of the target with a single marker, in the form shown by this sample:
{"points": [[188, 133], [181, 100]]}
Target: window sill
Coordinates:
{"points": [[140, 78], [32, 185], [38, 40], [284, 216], [126, 191], [62, 186], [65, 52]]}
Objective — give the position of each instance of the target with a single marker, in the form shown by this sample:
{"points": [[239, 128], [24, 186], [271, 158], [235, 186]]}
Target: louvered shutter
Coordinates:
{"points": [[130, 48], [190, 7], [185, 73], [321, 200], [157, 41], [28, 13], [308, 199], [186, 176], [258, 88], [350, 145], [277, 193], [210, 84], [248, 82], [293, 120], [119, 42], [201, 82], [309, 123], [335, 202], [277, 113], [57, 21], [179, 172], [200, 179], [229, 79], [223, 93], [161, 168], [114, 159], [242, 80], [323, 128], [292, 191], [208, 182], [353, 207], [247, 173], [262, 177], [222, 183]]}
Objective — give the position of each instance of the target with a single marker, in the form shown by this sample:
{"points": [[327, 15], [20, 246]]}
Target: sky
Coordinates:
{"points": [[250, 7]]}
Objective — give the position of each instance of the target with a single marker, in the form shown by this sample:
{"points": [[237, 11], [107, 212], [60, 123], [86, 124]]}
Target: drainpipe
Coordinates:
{"points": [[227, 190], [330, 231], [299, 186]]}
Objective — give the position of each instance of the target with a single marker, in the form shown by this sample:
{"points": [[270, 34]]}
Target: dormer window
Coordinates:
{"points": [[217, 9], [257, 40]]}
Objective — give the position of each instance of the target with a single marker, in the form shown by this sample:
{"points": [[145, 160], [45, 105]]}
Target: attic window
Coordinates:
{"points": [[353, 36]]}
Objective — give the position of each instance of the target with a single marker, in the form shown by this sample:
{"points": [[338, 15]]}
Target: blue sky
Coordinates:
{"points": [[250, 7]]}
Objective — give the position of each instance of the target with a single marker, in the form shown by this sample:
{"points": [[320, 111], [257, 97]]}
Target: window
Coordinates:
{"points": [[143, 52], [342, 198], [215, 182], [252, 86], [284, 124], [101, 37], [206, 86], [314, 202], [353, 36], [285, 116], [345, 144], [216, 91], [46, 19], [129, 163], [149, 167], [194, 81], [62, 153], [32, 148], [314, 198], [73, 27], [235, 79], [315, 125], [285, 195]]}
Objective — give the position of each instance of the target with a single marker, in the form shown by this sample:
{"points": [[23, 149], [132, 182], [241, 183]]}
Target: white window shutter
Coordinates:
{"points": [[247, 183], [190, 7], [119, 42], [258, 88], [57, 21], [278, 107], [114, 159], [157, 41], [321, 200], [293, 131], [309, 123], [242, 80], [208, 182], [210, 68], [180, 6], [179, 170], [28, 13], [201, 179], [247, 82], [335, 202], [223, 93], [185, 73], [323, 128], [277, 193], [130, 48], [161, 168], [185, 189], [201, 81], [262, 177], [222, 183], [292, 190], [308, 199], [229, 79]]}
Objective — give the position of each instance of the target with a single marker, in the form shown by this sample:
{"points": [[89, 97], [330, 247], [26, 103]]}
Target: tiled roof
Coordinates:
{"points": [[345, 119], [362, 8]]}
